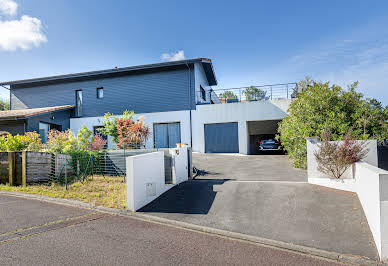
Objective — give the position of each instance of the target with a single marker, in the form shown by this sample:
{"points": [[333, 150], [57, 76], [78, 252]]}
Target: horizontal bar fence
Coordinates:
{"points": [[248, 94]]}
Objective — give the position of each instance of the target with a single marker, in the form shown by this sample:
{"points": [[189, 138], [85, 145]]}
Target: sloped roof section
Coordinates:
{"points": [[206, 63], [26, 113]]}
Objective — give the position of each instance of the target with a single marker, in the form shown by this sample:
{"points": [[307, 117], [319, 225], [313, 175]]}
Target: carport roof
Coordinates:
{"points": [[26, 113]]}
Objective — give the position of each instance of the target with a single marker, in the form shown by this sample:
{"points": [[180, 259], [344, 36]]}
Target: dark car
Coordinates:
{"points": [[270, 145]]}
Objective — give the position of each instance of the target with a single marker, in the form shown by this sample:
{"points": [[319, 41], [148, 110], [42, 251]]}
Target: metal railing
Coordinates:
{"points": [[248, 94]]}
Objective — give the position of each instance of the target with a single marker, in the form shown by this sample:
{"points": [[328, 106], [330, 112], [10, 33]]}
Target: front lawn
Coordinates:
{"points": [[109, 192]]}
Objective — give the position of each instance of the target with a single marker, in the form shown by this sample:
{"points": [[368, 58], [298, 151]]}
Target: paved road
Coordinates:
{"points": [[265, 196], [40, 233]]}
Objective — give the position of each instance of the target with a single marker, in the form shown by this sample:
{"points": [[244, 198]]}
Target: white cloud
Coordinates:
{"points": [[180, 55], [23, 34], [8, 7]]}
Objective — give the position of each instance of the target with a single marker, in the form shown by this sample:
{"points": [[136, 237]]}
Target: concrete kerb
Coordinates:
{"points": [[344, 258]]}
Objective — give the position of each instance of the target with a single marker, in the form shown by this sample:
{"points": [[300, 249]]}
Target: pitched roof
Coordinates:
{"points": [[25, 113], [206, 63]]}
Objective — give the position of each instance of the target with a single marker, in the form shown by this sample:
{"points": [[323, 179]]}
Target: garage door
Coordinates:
{"points": [[221, 138]]}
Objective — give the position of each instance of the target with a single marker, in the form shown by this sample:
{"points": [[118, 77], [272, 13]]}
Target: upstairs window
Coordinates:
{"points": [[203, 93], [78, 101], [100, 93]]}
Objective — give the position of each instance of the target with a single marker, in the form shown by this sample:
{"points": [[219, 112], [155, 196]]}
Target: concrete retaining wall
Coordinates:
{"points": [[146, 176], [369, 182]]}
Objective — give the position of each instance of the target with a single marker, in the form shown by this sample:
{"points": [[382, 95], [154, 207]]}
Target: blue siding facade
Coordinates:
{"points": [[143, 92], [61, 118]]}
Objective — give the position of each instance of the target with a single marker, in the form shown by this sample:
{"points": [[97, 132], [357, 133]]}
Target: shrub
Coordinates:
{"points": [[110, 124], [123, 128], [98, 143], [61, 142], [33, 141], [84, 138], [320, 106], [132, 134], [334, 158], [3, 139], [15, 143]]}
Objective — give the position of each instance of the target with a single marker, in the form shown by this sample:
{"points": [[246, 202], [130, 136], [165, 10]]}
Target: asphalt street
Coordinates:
{"points": [[34, 232]]}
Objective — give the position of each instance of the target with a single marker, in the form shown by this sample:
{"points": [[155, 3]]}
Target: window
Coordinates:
{"points": [[167, 135], [78, 101], [203, 93], [100, 93], [44, 128]]}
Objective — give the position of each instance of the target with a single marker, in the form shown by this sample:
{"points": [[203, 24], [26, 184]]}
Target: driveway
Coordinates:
{"points": [[34, 232], [265, 196]]}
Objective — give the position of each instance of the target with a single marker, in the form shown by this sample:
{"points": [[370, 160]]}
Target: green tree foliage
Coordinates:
{"points": [[228, 95], [301, 86], [4, 105], [321, 106], [110, 124], [255, 94], [84, 138]]}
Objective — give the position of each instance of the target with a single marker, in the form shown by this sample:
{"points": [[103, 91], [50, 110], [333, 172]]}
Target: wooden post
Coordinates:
{"points": [[11, 168], [24, 168]]}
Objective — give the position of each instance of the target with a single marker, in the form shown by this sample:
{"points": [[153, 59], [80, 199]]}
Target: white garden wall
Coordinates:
{"points": [[369, 182], [146, 176]]}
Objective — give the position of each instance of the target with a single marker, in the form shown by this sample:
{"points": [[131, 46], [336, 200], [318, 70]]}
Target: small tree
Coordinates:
{"points": [[255, 94], [84, 138], [227, 95], [334, 157], [110, 124], [123, 128], [130, 133]]}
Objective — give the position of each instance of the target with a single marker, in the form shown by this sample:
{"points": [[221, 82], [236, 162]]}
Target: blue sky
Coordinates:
{"points": [[250, 42]]}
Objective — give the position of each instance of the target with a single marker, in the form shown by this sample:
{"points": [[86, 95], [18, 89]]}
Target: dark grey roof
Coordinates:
{"points": [[207, 65]]}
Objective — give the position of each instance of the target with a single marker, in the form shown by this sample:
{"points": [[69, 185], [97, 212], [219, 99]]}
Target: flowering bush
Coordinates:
{"points": [[98, 143], [334, 158], [61, 142], [33, 141]]}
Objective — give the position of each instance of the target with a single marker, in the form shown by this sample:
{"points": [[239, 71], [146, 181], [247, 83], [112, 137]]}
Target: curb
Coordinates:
{"points": [[344, 258]]}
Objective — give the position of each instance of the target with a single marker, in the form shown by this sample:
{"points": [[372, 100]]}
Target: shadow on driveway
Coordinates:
{"points": [[192, 197]]}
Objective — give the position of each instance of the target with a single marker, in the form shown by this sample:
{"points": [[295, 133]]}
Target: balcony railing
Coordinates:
{"points": [[248, 94]]}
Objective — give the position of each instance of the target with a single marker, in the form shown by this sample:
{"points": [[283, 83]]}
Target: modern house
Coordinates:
{"points": [[176, 98]]}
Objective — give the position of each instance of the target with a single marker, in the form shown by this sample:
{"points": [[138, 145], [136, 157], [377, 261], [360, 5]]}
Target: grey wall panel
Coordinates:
{"points": [[13, 127], [221, 138], [161, 91], [61, 118]]}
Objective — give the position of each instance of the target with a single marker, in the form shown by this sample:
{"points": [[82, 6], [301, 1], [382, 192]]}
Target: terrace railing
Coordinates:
{"points": [[247, 94]]}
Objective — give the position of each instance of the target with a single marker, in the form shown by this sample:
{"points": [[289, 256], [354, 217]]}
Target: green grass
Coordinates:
{"points": [[109, 192]]}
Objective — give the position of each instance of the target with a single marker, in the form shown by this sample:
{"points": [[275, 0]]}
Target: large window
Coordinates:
{"points": [[167, 135], [78, 100]]}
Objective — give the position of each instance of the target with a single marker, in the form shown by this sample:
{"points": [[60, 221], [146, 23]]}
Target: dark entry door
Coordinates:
{"points": [[221, 138]]}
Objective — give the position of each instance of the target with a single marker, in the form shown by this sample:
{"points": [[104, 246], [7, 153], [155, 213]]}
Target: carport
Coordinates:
{"points": [[258, 130]]}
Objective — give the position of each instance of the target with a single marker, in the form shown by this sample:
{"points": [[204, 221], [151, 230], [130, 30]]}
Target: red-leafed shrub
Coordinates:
{"points": [[98, 143], [334, 158], [132, 134]]}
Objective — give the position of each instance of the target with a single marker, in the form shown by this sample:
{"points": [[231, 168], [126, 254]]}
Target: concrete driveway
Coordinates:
{"points": [[265, 196]]}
